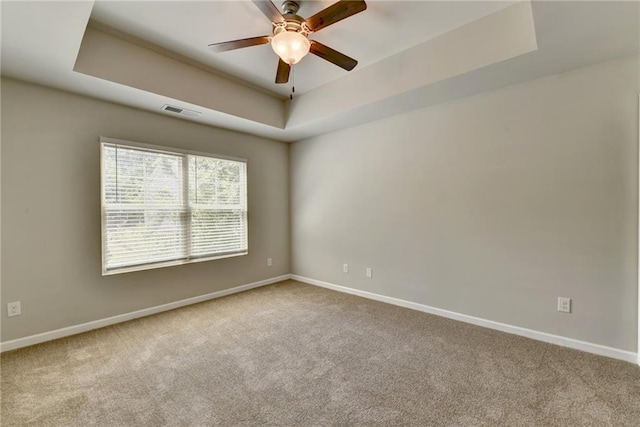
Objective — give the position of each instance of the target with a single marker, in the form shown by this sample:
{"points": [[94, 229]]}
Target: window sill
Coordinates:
{"points": [[166, 264]]}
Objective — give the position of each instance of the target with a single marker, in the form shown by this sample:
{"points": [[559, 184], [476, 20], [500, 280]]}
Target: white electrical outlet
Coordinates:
{"points": [[269, 262], [564, 304], [369, 272], [345, 268], [13, 309]]}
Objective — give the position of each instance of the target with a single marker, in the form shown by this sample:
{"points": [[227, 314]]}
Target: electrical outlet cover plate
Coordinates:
{"points": [[564, 304], [13, 309], [345, 268]]}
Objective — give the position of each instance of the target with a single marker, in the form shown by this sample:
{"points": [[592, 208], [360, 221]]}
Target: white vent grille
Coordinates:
{"points": [[181, 111]]}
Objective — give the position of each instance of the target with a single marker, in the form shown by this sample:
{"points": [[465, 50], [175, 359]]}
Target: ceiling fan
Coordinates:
{"points": [[290, 34]]}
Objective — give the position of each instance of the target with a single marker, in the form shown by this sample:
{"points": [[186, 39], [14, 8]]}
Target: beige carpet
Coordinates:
{"points": [[297, 355]]}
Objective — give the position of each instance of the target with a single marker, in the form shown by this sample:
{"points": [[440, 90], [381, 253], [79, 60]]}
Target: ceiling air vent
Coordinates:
{"points": [[181, 111]]}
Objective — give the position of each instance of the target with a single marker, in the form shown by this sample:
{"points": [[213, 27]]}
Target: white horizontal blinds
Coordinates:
{"points": [[145, 210], [218, 206], [164, 206]]}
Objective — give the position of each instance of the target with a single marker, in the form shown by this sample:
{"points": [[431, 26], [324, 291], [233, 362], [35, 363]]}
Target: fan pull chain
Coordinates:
{"points": [[293, 82]]}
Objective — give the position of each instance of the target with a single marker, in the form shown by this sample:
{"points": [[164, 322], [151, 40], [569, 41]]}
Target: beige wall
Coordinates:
{"points": [[491, 206], [51, 210]]}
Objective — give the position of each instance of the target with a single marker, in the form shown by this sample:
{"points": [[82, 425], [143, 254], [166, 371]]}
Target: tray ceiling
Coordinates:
{"points": [[146, 54]]}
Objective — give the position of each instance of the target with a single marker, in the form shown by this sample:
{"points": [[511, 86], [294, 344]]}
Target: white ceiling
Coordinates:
{"points": [[395, 42], [384, 29]]}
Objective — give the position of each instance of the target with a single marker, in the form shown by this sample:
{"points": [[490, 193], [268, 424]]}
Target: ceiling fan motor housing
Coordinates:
{"points": [[292, 22]]}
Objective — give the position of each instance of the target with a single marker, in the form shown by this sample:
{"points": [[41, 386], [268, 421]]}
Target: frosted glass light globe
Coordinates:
{"points": [[290, 46]]}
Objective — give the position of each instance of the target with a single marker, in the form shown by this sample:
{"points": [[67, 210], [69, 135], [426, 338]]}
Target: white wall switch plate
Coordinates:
{"points": [[369, 272], [345, 268], [13, 309], [269, 262], [564, 304]]}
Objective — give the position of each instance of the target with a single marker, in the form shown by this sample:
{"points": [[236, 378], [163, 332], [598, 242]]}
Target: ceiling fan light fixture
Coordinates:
{"points": [[290, 46]]}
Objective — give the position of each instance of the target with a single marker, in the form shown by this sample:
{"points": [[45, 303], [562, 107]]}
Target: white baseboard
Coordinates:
{"points": [[84, 327], [529, 333]]}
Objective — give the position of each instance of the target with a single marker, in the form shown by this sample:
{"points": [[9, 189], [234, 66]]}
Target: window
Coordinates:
{"points": [[164, 207]]}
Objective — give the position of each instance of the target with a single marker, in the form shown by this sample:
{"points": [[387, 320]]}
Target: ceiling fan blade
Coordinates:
{"points": [[328, 54], [334, 13], [239, 44], [269, 10], [282, 75]]}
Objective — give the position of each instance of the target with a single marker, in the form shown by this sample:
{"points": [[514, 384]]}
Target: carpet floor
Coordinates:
{"points": [[292, 354]]}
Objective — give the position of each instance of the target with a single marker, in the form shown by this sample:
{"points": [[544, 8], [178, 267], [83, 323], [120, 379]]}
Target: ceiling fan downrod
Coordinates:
{"points": [[290, 7]]}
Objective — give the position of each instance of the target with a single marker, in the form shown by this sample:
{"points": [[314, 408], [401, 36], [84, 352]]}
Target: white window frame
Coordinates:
{"points": [[169, 150]]}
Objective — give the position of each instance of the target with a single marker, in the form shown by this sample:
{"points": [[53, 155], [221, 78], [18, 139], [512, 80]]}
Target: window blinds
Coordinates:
{"points": [[162, 207]]}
